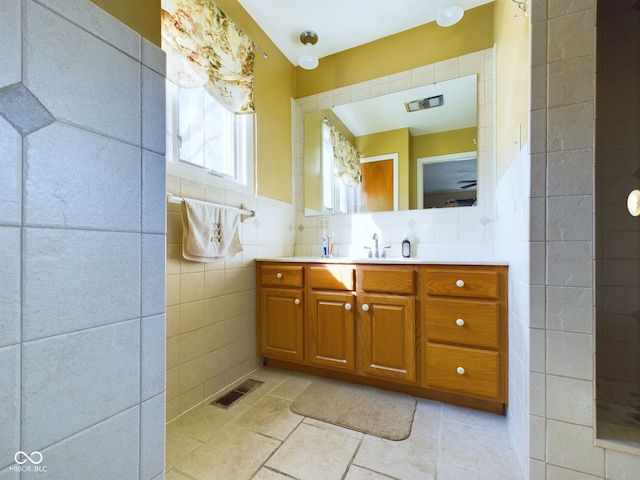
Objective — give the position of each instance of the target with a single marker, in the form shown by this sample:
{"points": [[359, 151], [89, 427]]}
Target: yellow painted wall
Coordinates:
{"points": [[143, 16], [433, 145], [413, 48], [512, 83], [273, 89], [392, 141]]}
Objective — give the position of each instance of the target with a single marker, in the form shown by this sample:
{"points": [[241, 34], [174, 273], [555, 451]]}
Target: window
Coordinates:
{"points": [[337, 196], [202, 133]]}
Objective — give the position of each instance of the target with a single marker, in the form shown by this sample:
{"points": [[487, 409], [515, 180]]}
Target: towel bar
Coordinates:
{"points": [[243, 211]]}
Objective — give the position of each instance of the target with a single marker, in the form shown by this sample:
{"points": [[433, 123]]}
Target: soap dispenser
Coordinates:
{"points": [[406, 247]]}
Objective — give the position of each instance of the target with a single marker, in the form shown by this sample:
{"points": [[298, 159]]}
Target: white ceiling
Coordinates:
{"points": [[341, 24]]}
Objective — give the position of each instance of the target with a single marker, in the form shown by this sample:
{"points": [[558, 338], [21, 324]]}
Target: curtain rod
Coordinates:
{"points": [[262, 52], [243, 211]]}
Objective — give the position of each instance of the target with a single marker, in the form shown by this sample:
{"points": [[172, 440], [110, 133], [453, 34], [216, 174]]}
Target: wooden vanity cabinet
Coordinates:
{"points": [[435, 330], [331, 317], [464, 328], [387, 321], [281, 311]]}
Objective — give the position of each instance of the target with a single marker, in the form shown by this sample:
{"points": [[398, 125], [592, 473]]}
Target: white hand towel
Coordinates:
{"points": [[209, 232]]}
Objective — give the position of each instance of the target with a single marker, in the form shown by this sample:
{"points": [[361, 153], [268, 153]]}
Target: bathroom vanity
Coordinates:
{"points": [[432, 329]]}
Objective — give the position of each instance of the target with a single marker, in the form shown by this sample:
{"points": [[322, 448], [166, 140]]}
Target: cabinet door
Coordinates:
{"points": [[281, 315], [331, 331], [388, 337]]}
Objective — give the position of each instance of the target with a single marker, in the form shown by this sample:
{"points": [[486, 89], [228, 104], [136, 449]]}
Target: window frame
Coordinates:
{"points": [[199, 173]]}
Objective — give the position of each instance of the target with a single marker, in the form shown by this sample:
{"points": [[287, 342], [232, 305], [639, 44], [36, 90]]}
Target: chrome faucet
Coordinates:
{"points": [[376, 251]]}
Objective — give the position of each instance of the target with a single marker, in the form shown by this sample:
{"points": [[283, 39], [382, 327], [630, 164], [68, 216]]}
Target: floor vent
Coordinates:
{"points": [[229, 398]]}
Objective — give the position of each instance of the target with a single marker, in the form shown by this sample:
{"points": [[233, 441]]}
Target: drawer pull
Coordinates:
{"points": [[460, 283], [297, 301], [365, 307], [347, 306], [460, 322], [278, 275], [460, 370]]}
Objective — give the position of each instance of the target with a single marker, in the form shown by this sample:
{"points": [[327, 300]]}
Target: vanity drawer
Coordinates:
{"points": [[387, 279], [473, 324], [463, 370], [332, 277], [281, 275], [461, 282]]}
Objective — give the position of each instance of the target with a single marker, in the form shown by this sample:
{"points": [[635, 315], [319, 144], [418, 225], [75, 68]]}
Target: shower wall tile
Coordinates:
{"points": [[570, 173], [10, 279], [620, 465], [11, 178], [153, 356], [153, 111], [570, 218], [106, 450], [154, 58], [152, 437], [153, 192], [569, 309], [22, 110], [570, 400], [570, 264], [571, 446], [153, 275], [62, 71], [101, 378], [10, 32], [571, 81], [570, 355], [77, 179], [76, 279], [9, 405], [570, 127], [93, 19], [7, 474], [579, 43]]}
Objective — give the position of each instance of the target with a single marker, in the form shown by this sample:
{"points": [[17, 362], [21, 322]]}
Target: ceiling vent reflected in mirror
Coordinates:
{"points": [[424, 103]]}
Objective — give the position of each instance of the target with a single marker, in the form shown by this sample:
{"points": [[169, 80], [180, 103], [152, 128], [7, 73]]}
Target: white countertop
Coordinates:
{"points": [[386, 261]]}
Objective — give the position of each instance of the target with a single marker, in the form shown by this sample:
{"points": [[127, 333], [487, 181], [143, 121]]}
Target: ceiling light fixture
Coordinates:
{"points": [[308, 60], [450, 16]]}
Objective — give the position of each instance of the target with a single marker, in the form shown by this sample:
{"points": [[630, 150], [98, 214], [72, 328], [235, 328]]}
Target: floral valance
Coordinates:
{"points": [[346, 157], [206, 49]]}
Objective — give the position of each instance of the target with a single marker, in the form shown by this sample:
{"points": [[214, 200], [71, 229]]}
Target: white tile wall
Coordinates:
{"points": [[562, 175], [77, 276], [11, 179], [101, 371], [108, 449], [105, 98], [77, 179], [80, 278], [211, 308]]}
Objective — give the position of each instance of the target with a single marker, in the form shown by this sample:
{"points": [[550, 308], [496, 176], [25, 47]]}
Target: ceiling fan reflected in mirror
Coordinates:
{"points": [[468, 184]]}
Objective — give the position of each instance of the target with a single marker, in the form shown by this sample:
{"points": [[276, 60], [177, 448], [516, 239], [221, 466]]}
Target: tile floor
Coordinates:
{"points": [[259, 438]]}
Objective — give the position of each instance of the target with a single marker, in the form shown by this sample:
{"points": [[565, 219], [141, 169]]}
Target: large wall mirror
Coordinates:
{"points": [[405, 150]]}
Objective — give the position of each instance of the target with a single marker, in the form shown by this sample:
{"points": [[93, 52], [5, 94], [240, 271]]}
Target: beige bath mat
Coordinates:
{"points": [[369, 410]]}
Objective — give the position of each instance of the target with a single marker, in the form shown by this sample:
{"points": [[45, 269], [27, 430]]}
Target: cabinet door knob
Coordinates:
{"points": [[278, 275], [460, 322], [460, 283], [365, 307], [297, 301], [347, 306], [460, 370]]}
